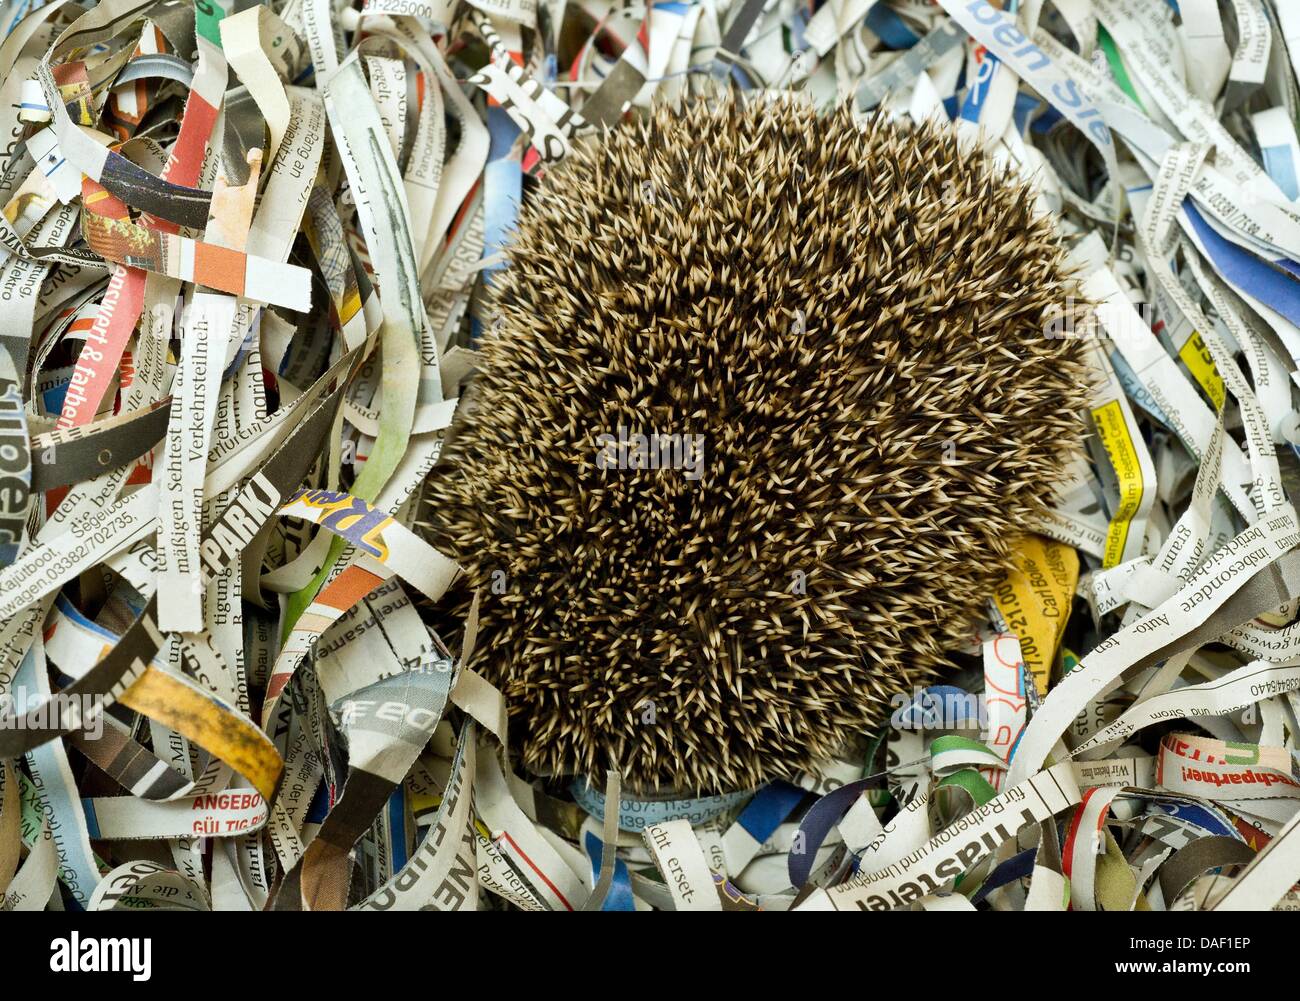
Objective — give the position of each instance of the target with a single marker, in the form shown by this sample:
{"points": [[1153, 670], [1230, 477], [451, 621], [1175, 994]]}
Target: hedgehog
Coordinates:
{"points": [[767, 398]]}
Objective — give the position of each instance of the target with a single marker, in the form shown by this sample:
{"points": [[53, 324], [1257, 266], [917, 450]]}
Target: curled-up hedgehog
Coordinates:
{"points": [[766, 403]]}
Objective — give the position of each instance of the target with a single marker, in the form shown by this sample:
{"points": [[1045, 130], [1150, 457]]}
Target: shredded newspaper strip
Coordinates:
{"points": [[220, 688]]}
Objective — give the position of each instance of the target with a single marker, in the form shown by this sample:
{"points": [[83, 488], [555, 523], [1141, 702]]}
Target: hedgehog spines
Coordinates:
{"points": [[851, 318]]}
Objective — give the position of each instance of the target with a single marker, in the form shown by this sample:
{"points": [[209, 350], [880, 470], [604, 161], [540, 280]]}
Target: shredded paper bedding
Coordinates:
{"points": [[248, 252]]}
